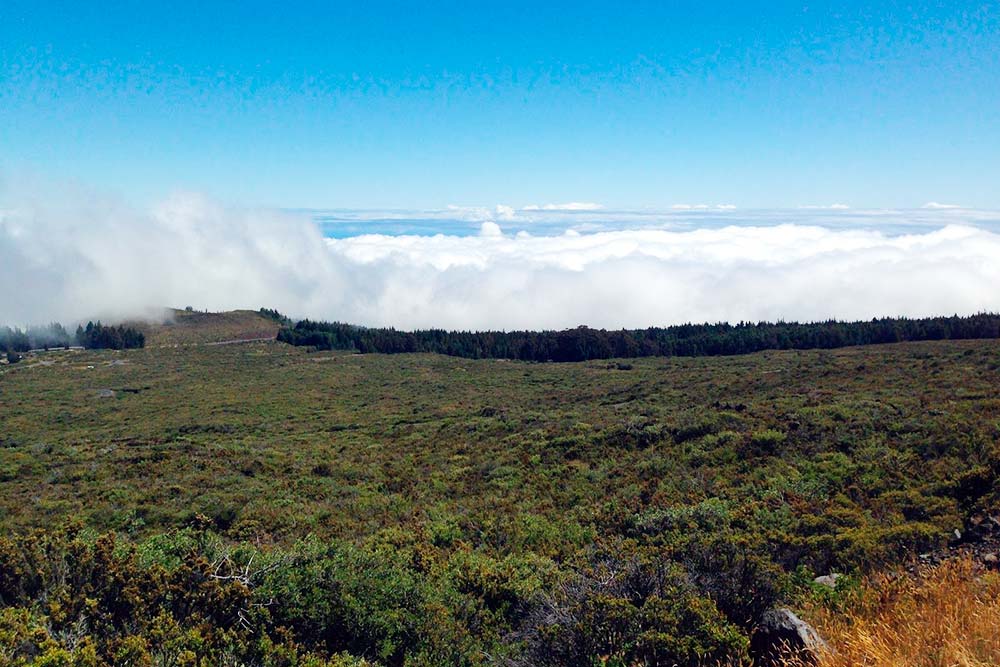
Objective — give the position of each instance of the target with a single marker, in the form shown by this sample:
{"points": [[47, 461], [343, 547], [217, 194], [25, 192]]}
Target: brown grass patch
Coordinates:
{"points": [[949, 617]]}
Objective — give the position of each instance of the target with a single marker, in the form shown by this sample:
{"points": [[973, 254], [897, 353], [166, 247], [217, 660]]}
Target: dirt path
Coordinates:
{"points": [[220, 342], [241, 340]]}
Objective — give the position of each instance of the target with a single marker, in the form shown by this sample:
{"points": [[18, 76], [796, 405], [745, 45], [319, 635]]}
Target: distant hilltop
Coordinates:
{"points": [[192, 327]]}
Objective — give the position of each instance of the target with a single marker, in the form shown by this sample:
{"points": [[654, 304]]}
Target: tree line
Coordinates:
{"points": [[685, 340], [100, 336], [15, 341]]}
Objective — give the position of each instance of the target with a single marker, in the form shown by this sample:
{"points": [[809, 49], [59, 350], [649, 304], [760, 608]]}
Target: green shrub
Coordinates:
{"points": [[627, 612], [766, 442]]}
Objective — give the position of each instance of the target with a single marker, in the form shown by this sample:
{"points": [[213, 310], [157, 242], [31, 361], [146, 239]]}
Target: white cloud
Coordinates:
{"points": [[637, 278], [470, 213], [71, 256], [568, 206], [505, 212], [935, 206], [490, 230], [66, 257]]}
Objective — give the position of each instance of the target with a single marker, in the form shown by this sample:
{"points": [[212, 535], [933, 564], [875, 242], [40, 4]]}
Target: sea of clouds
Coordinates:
{"points": [[73, 256]]}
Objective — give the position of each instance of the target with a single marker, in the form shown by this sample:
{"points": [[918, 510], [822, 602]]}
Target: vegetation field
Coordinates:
{"points": [[277, 506]]}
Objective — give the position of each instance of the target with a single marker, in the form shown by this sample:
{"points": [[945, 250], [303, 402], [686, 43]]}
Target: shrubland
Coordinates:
{"points": [[262, 504]]}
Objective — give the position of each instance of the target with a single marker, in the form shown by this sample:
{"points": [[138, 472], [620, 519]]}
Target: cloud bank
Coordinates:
{"points": [[87, 257], [937, 206], [568, 206]]}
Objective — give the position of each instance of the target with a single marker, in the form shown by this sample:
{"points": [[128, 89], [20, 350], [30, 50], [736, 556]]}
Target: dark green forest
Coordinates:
{"points": [[104, 337], [686, 340]]}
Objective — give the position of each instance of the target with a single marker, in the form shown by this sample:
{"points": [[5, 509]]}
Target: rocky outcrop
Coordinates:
{"points": [[781, 635], [978, 540]]}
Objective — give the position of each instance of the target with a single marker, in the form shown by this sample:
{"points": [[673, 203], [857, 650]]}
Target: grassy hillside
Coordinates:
{"points": [[481, 489], [183, 327]]}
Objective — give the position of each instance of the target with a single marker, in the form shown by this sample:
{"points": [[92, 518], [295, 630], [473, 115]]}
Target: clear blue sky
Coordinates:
{"points": [[630, 104]]}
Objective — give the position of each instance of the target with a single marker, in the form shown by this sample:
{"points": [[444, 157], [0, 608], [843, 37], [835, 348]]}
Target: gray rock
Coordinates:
{"points": [[781, 635], [828, 580]]}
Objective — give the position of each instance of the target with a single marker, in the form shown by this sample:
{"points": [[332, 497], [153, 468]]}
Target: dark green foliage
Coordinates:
{"points": [[99, 336], [686, 340], [70, 598], [642, 610], [14, 340], [188, 598], [274, 315], [739, 577], [341, 598]]}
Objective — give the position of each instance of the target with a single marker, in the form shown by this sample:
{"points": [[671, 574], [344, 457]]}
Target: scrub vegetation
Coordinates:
{"points": [[264, 504]]}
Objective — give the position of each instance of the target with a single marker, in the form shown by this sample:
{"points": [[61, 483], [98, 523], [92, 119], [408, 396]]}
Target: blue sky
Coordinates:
{"points": [[422, 105]]}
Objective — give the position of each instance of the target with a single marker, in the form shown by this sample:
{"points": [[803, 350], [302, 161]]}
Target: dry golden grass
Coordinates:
{"points": [[950, 617]]}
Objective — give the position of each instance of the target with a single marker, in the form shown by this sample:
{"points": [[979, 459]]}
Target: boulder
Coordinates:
{"points": [[828, 580], [781, 635]]}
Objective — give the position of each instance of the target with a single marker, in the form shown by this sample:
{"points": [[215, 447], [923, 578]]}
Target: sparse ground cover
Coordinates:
{"points": [[427, 510]]}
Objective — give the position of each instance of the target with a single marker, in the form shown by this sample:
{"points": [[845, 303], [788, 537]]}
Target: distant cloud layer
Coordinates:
{"points": [[569, 206], [87, 257], [636, 278]]}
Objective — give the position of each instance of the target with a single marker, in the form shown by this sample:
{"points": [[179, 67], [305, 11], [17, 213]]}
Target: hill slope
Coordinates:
{"points": [[183, 327]]}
